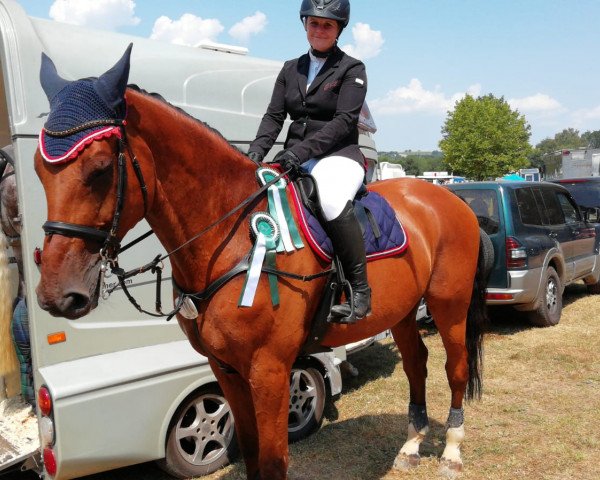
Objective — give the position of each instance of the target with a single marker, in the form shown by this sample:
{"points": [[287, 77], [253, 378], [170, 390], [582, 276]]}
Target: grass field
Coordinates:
{"points": [[539, 417]]}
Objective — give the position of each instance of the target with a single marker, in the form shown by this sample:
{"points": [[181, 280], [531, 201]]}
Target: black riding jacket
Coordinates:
{"points": [[324, 118]]}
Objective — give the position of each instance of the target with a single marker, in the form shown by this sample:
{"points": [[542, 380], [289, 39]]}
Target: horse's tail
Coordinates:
{"points": [[8, 358], [477, 318]]}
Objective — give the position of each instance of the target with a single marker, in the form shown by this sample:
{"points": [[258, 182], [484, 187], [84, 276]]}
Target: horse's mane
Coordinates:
{"points": [[181, 111]]}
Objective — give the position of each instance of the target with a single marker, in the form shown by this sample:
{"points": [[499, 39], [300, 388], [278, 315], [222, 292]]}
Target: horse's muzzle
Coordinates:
{"points": [[71, 304]]}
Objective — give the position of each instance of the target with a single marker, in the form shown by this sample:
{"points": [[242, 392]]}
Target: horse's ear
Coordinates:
{"points": [[112, 84], [51, 81]]}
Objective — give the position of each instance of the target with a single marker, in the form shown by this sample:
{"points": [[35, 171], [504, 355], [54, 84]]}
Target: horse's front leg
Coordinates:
{"points": [[237, 393], [414, 361], [269, 385]]}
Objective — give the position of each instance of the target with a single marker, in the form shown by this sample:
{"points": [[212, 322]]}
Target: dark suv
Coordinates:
{"points": [[541, 242], [585, 191]]}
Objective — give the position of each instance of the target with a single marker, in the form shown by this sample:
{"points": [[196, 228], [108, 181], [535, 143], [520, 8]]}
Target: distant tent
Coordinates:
{"points": [[513, 177]]}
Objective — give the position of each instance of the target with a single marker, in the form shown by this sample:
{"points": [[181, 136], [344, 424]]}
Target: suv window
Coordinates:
{"points": [[570, 212], [552, 207], [484, 204], [528, 207]]}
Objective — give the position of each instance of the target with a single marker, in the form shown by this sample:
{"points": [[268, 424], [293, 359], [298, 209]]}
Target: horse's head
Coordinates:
{"points": [[82, 163]]}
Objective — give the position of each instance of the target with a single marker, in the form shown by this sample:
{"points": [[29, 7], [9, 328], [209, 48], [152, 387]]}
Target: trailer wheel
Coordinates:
{"points": [[308, 395], [201, 438]]}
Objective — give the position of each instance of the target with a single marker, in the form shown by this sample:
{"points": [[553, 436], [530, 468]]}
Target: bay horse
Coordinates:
{"points": [[181, 176]]}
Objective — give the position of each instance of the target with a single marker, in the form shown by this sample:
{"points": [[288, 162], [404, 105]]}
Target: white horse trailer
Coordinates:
{"points": [[115, 383]]}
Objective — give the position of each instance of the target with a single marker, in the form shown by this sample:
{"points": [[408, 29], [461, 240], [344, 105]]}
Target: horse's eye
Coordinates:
{"points": [[97, 169]]}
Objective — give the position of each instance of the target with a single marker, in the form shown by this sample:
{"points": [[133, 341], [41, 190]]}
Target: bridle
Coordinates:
{"points": [[110, 243], [107, 238]]}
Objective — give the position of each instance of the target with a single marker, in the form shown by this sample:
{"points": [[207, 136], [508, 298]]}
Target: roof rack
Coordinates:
{"points": [[222, 47]]}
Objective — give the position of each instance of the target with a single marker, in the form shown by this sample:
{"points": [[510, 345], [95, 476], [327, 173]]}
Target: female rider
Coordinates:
{"points": [[323, 92]]}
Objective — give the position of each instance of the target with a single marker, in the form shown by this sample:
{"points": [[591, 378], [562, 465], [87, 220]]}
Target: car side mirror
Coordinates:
{"points": [[591, 214]]}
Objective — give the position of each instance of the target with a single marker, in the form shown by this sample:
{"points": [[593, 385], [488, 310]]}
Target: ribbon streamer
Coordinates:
{"points": [[279, 208], [266, 233]]}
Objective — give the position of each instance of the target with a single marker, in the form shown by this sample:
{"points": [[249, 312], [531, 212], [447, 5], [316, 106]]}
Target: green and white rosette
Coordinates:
{"points": [[266, 234], [279, 208]]}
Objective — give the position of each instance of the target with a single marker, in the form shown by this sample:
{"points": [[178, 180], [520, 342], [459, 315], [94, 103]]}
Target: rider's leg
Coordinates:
{"points": [[338, 179]]}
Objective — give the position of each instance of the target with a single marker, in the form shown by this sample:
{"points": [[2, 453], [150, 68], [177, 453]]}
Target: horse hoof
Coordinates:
{"points": [[450, 469], [405, 462]]}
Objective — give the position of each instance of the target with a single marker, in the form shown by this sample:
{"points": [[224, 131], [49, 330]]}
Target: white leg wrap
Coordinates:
{"points": [[409, 453], [454, 437], [414, 440], [451, 463]]}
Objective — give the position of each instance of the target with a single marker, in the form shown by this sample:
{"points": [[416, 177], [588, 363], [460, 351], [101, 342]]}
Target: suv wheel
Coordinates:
{"points": [[550, 302]]}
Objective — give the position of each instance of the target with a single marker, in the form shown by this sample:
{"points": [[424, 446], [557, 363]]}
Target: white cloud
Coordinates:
{"points": [[538, 103], [414, 98], [252, 25], [367, 42], [587, 114], [103, 14], [188, 30]]}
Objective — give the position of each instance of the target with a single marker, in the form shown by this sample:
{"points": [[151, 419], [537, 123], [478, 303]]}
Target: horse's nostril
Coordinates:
{"points": [[75, 301]]}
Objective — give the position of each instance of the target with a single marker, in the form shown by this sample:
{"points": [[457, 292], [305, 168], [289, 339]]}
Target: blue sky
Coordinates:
{"points": [[421, 55]]}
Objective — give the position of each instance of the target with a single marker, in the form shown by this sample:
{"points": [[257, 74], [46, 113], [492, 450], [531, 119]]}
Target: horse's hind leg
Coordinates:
{"points": [[450, 319], [414, 361]]}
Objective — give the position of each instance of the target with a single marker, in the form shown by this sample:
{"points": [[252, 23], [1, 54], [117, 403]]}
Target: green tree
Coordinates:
{"points": [[547, 145], [391, 157], [484, 138], [410, 166], [568, 138], [591, 139]]}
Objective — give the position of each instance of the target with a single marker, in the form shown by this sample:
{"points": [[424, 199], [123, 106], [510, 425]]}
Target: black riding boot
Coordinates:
{"points": [[348, 244]]}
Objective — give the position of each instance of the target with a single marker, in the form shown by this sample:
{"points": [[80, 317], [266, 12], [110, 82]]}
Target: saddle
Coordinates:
{"points": [[383, 234]]}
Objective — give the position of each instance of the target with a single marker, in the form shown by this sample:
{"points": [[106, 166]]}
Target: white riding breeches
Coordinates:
{"points": [[338, 179]]}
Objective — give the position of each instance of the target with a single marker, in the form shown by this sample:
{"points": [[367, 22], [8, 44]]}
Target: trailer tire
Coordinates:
{"points": [[201, 438], [308, 395]]}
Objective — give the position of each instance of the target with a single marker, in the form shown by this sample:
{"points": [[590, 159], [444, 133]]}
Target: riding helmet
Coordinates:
{"points": [[338, 10]]}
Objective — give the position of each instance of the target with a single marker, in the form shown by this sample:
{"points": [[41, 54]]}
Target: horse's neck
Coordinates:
{"points": [[200, 178]]}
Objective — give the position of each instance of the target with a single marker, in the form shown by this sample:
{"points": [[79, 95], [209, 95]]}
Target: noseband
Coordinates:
{"points": [[107, 238]]}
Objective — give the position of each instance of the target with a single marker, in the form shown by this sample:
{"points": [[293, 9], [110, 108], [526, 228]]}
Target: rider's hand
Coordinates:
{"points": [[255, 157], [289, 163]]}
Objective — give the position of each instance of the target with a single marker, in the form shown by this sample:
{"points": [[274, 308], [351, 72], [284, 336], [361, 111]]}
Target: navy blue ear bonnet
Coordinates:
{"points": [[89, 108]]}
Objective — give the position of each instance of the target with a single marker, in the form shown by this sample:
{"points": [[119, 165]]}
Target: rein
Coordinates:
{"points": [[111, 245], [242, 266]]}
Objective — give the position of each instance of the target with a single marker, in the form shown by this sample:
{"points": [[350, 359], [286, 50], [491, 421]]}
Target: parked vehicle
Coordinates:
{"points": [[582, 162], [530, 174], [541, 241], [586, 192], [117, 387]]}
